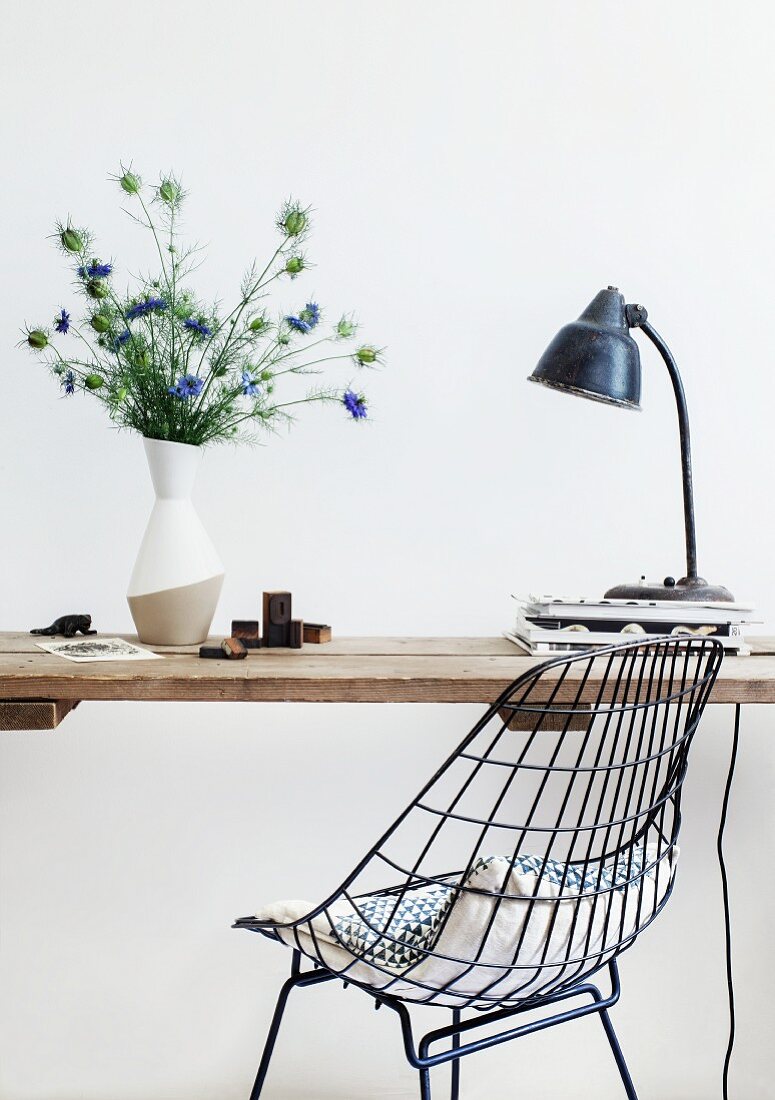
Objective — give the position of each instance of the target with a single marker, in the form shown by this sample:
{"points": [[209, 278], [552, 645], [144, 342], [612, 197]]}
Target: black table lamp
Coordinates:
{"points": [[595, 357]]}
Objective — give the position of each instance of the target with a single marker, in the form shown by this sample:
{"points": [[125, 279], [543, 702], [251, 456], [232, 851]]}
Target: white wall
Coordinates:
{"points": [[479, 172]]}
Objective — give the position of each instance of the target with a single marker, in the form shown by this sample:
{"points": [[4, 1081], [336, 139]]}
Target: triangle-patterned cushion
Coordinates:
{"points": [[396, 930]]}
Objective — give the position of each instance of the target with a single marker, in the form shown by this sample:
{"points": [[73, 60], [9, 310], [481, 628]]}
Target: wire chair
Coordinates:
{"points": [[560, 813]]}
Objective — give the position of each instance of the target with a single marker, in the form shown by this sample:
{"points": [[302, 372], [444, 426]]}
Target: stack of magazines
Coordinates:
{"points": [[554, 624]]}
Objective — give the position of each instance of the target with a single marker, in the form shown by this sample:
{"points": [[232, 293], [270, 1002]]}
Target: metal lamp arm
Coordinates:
{"points": [[637, 318]]}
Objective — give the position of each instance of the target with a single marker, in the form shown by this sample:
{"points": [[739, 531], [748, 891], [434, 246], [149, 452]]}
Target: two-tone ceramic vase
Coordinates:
{"points": [[177, 578]]}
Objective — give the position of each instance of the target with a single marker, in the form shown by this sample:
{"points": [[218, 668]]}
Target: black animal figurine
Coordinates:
{"points": [[67, 625]]}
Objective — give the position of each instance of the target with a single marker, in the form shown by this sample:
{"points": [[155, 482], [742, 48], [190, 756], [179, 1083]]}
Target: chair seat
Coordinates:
{"points": [[506, 931]]}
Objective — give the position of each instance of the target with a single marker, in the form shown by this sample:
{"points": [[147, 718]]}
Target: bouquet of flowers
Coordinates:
{"points": [[167, 365]]}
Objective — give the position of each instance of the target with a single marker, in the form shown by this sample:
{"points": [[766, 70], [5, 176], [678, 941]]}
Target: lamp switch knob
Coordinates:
{"points": [[669, 582]]}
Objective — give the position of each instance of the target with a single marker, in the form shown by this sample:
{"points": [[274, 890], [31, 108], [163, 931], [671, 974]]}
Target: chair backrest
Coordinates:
{"points": [[545, 843]]}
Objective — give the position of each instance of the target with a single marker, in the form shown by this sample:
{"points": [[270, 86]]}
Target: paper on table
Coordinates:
{"points": [[98, 649]]}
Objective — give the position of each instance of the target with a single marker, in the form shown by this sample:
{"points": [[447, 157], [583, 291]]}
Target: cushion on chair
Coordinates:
{"points": [[392, 930], [554, 924]]}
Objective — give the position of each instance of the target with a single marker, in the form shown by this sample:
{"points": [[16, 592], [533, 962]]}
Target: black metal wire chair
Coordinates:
{"points": [[560, 812]]}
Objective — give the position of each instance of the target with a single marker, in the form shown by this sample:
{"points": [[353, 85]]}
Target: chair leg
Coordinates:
{"points": [[271, 1038], [425, 1084], [455, 1093], [617, 1050]]}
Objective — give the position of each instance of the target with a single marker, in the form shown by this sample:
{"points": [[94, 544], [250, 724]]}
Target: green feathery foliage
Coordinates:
{"points": [[169, 366]]}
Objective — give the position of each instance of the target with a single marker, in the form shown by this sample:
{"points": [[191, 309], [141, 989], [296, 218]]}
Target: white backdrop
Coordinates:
{"points": [[478, 172]]}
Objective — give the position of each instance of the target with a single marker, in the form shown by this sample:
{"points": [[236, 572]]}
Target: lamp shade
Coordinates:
{"points": [[595, 356]]}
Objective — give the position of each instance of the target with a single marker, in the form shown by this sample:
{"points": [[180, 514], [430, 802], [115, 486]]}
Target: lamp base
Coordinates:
{"points": [[688, 588]]}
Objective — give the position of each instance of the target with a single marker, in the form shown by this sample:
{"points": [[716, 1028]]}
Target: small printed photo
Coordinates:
{"points": [[98, 649]]}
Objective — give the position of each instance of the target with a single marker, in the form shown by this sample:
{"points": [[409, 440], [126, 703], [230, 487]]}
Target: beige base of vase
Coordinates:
{"points": [[176, 616]]}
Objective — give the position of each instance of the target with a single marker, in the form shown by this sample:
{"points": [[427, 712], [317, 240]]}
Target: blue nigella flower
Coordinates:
{"points": [[121, 339], [197, 326], [95, 271], [298, 323], [62, 322], [355, 404], [249, 385], [148, 306], [307, 318], [68, 382], [188, 385]]}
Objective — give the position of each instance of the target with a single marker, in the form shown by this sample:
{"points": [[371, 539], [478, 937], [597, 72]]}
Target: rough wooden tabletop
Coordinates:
{"points": [[357, 670]]}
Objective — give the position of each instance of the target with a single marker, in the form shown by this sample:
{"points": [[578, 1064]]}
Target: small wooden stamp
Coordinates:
{"points": [[317, 632], [296, 633], [247, 632], [233, 649], [277, 618], [211, 652]]}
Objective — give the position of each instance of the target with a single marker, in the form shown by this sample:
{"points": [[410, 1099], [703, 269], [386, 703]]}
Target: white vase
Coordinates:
{"points": [[178, 575]]}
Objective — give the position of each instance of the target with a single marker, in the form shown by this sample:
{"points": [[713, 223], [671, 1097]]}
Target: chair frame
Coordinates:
{"points": [[709, 654], [417, 1054]]}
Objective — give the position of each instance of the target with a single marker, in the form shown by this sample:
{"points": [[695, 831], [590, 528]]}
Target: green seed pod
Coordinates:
{"points": [[283, 338], [257, 324], [219, 372], [295, 223], [121, 393], [294, 265], [366, 356], [100, 323], [97, 288], [265, 375], [93, 381], [37, 339], [130, 183], [71, 240], [143, 360], [345, 329], [169, 191]]}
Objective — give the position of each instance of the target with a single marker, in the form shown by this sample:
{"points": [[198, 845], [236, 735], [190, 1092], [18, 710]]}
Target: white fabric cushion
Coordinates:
{"points": [[378, 942]]}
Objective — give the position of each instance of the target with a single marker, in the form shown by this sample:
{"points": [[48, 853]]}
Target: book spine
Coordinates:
{"points": [[616, 626], [527, 629], [638, 610], [732, 646]]}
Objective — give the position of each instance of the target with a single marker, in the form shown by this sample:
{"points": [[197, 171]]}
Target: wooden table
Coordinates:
{"points": [[38, 689]]}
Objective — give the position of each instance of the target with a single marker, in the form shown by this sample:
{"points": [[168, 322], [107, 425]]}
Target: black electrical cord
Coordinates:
{"points": [[725, 890]]}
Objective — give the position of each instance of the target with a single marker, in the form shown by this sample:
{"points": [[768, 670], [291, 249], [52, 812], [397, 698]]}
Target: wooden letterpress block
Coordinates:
{"points": [[247, 632], [317, 632], [296, 633], [211, 652], [234, 649], [277, 618]]}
